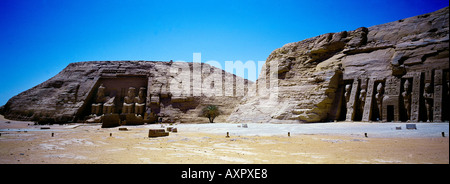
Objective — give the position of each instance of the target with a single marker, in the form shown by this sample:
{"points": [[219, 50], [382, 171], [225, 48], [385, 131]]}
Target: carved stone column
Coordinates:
{"points": [[367, 114], [351, 102], [362, 96], [415, 97], [437, 107]]}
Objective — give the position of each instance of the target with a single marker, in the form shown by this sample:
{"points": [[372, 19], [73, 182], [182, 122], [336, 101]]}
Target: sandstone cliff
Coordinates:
{"points": [[312, 73], [68, 96], [398, 71]]}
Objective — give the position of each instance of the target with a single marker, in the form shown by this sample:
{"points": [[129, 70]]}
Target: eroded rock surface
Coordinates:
{"points": [[314, 72], [354, 75], [71, 95]]}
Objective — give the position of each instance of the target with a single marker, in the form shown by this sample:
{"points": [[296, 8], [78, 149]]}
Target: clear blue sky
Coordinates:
{"points": [[39, 38]]}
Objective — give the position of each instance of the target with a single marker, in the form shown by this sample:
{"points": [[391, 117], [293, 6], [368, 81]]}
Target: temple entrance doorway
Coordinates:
{"points": [[390, 113]]}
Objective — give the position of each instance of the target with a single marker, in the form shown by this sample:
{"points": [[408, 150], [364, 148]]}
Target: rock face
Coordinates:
{"points": [[398, 71], [335, 76], [84, 91]]}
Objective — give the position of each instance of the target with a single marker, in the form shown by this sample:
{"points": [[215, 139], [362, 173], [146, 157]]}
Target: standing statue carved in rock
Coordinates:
{"points": [[348, 87], [379, 97], [362, 100], [128, 101], [348, 105], [428, 95], [99, 100], [407, 99], [139, 101]]}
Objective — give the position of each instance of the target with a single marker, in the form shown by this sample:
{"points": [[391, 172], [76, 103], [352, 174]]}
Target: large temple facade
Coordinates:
{"points": [[416, 96]]}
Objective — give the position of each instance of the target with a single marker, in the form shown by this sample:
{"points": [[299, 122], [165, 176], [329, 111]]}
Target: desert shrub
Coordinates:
{"points": [[211, 112]]}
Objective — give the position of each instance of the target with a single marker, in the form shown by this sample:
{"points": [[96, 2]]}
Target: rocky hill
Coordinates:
{"points": [[71, 95], [313, 75]]}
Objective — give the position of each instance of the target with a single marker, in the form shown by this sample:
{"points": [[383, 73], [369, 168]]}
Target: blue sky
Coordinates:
{"points": [[39, 38]]}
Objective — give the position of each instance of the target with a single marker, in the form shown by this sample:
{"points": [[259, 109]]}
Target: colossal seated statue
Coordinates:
{"points": [[128, 101], [109, 106], [140, 102], [99, 100]]}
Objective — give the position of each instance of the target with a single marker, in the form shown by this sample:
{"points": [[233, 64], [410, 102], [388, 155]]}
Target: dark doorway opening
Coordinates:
{"points": [[390, 113]]}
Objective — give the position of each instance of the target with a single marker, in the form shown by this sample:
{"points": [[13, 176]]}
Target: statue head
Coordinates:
{"points": [[428, 88], [131, 92], [348, 87], [362, 92], [141, 92], [406, 85], [380, 87], [100, 92]]}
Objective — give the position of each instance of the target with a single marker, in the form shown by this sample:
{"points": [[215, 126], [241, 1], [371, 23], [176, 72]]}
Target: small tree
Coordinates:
{"points": [[211, 112]]}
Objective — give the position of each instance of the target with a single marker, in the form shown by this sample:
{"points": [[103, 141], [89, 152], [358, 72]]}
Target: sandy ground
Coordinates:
{"points": [[23, 142]]}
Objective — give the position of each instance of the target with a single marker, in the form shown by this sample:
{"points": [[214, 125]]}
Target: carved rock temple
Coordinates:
{"points": [[398, 71], [122, 92]]}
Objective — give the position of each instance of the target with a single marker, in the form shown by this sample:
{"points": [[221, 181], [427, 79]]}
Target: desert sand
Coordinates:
{"points": [[23, 142]]}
